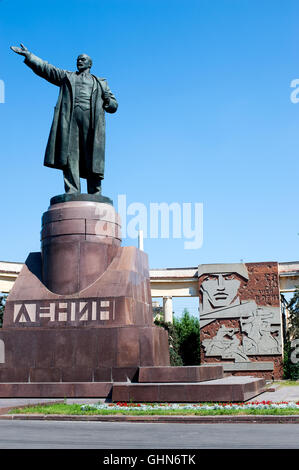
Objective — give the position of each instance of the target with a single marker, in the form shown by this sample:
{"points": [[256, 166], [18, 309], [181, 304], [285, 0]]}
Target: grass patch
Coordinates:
{"points": [[286, 383], [75, 409]]}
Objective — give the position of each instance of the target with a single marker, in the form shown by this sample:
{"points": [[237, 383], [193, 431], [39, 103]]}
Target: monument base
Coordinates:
{"points": [[74, 197], [78, 321], [173, 384], [56, 390], [80, 311], [98, 354], [187, 384], [227, 389]]}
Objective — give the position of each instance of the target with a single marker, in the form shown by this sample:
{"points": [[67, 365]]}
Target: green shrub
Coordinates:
{"points": [[183, 337], [187, 328], [175, 358], [290, 370], [2, 306], [293, 317]]}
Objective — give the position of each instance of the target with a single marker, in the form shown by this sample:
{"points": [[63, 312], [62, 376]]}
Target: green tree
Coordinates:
{"points": [[187, 328], [293, 318], [2, 305], [290, 370], [173, 342]]}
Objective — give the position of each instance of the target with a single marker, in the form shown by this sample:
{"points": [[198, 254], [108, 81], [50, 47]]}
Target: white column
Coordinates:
{"points": [[140, 240], [167, 308], [2, 352]]}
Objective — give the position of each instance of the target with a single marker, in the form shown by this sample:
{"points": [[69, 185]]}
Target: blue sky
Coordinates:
{"points": [[204, 116]]}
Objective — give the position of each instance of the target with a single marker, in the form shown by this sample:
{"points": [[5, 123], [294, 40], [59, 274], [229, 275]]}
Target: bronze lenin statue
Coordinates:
{"points": [[76, 143]]}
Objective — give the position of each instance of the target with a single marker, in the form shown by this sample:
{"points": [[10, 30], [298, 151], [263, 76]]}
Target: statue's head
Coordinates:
{"points": [[84, 62]]}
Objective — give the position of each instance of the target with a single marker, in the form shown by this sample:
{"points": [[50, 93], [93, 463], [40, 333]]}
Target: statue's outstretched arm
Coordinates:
{"points": [[110, 103], [42, 68]]}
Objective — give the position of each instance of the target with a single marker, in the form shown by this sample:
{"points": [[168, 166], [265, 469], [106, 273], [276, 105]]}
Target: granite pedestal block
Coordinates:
{"points": [[80, 311], [79, 241], [56, 390], [166, 374], [227, 389]]}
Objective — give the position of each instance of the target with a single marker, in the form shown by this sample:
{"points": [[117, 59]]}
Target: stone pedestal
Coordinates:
{"points": [[78, 321], [80, 311], [79, 240], [227, 389]]}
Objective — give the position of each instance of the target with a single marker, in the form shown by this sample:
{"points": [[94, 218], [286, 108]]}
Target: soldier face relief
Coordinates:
{"points": [[220, 289]]}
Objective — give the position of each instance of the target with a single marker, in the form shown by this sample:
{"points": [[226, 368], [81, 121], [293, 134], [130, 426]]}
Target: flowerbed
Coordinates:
{"points": [[253, 405], [170, 409]]}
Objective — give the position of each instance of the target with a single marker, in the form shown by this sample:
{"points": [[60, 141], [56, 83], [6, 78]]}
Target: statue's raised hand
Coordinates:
{"points": [[20, 50]]}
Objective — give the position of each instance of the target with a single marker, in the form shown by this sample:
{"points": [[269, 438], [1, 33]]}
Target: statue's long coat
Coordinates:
{"points": [[57, 151]]}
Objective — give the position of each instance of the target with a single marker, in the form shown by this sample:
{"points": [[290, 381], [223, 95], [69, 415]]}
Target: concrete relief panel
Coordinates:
{"points": [[240, 318]]}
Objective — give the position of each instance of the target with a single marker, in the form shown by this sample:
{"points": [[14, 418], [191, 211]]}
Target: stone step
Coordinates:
{"points": [[170, 374], [71, 374], [56, 390], [228, 389]]}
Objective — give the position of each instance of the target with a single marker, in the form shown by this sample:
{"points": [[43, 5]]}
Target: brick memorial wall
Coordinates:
{"points": [[240, 318]]}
